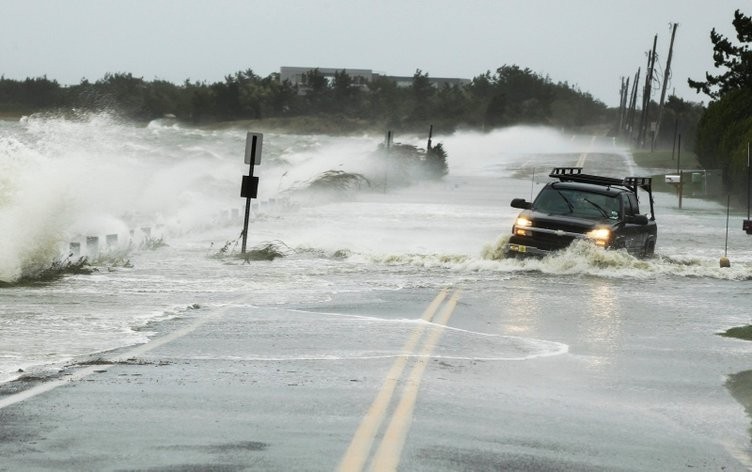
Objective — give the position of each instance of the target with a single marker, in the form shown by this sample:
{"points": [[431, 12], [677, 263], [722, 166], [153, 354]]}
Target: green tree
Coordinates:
{"points": [[316, 89], [386, 101], [510, 95], [735, 59], [496, 111], [452, 107], [422, 93], [122, 92], [282, 97], [722, 136], [345, 94], [726, 125]]}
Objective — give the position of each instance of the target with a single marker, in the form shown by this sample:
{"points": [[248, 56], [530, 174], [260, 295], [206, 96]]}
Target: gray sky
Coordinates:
{"points": [[588, 43]]}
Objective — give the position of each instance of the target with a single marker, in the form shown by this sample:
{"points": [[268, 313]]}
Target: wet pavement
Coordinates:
{"points": [[239, 387]]}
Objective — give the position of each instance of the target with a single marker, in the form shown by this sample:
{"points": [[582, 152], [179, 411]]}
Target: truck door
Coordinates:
{"points": [[635, 234]]}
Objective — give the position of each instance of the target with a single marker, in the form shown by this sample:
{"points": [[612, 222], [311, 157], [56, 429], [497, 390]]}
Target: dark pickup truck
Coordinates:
{"points": [[604, 210]]}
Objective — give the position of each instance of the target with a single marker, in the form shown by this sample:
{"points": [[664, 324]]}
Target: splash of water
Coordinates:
{"points": [[64, 179]]}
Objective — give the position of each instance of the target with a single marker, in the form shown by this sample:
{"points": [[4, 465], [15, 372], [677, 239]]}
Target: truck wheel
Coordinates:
{"points": [[649, 249]]}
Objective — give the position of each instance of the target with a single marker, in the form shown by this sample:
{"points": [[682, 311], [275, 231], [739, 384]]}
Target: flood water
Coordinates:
{"points": [[171, 194]]}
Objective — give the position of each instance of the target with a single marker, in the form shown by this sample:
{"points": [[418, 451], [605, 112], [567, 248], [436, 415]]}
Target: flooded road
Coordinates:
{"points": [[587, 360]]}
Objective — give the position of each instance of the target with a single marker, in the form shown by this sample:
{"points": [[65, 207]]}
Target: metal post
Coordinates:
{"points": [[681, 188], [728, 210], [247, 214], [252, 157], [724, 260], [748, 180]]}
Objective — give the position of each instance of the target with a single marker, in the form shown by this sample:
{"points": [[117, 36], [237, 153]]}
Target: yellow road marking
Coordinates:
{"points": [[360, 446], [388, 454], [581, 161], [584, 155]]}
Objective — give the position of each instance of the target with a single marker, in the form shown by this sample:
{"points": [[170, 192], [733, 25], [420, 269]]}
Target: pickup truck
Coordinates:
{"points": [[604, 210]]}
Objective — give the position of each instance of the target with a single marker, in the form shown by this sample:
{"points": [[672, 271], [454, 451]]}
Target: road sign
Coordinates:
{"points": [[253, 143], [249, 187]]}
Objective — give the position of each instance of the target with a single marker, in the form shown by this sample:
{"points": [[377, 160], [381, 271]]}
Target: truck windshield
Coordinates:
{"points": [[579, 203]]}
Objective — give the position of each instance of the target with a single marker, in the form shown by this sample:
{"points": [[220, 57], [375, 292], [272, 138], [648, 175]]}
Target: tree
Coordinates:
{"points": [[726, 125], [512, 95], [316, 90], [386, 101], [423, 93], [122, 92], [345, 93], [722, 136], [736, 59]]}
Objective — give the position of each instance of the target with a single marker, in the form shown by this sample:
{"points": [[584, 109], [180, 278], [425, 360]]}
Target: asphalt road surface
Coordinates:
{"points": [[458, 378]]}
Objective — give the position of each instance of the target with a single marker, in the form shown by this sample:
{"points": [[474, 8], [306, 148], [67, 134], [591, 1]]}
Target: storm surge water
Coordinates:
{"points": [[156, 212]]}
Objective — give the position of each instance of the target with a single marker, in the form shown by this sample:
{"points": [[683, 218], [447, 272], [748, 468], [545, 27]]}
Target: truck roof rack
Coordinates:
{"points": [[574, 174]]}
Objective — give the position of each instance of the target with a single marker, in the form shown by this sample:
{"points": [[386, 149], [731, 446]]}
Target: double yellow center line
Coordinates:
{"points": [[387, 456], [584, 155]]}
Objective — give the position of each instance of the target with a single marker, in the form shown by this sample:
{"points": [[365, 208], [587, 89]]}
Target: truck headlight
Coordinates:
{"points": [[600, 236], [519, 226]]}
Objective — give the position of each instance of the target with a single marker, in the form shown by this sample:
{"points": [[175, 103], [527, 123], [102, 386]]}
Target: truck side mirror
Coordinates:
{"points": [[637, 219], [521, 204]]}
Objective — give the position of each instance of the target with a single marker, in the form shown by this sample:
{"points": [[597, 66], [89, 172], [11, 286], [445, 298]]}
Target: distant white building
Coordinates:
{"points": [[295, 74], [360, 76], [407, 81]]}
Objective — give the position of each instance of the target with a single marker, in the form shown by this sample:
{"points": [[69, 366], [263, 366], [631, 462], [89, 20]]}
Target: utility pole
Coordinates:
{"points": [[666, 75], [626, 104], [622, 104], [633, 103], [646, 95]]}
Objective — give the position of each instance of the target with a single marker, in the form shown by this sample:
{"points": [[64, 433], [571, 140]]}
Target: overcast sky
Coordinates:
{"points": [[588, 43]]}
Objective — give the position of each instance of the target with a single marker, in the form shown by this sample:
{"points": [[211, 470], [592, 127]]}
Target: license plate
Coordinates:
{"points": [[518, 248]]}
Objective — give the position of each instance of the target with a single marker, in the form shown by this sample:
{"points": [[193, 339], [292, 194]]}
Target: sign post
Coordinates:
{"points": [[249, 186]]}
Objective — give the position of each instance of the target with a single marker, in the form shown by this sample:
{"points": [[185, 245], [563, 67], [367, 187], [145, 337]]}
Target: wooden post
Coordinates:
{"points": [[633, 103], [646, 94], [621, 104], [665, 83], [681, 188]]}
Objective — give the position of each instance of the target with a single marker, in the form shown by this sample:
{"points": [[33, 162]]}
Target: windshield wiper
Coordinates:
{"points": [[564, 197], [600, 208]]}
